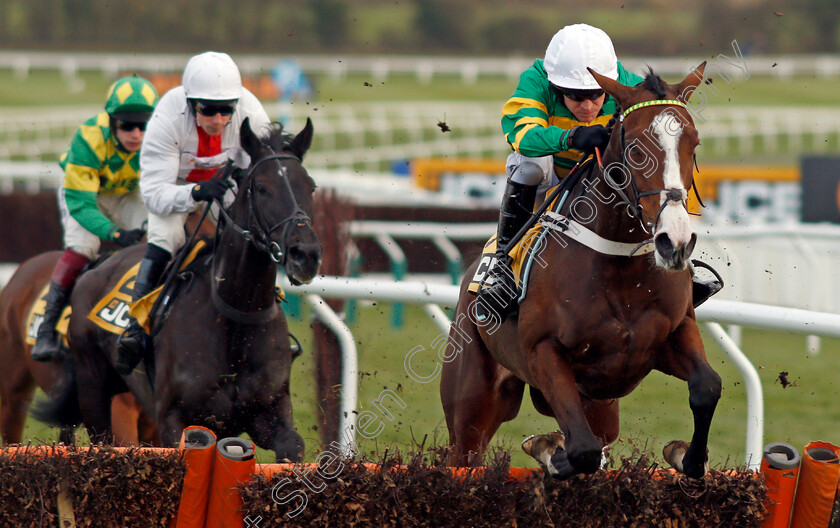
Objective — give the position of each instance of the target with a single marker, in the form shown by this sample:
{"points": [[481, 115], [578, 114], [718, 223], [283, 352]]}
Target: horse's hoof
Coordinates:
{"points": [[674, 453], [543, 448], [536, 445]]}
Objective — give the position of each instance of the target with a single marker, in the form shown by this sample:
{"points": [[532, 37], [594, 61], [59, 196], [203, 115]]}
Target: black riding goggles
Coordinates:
{"points": [[128, 126], [210, 109], [580, 96]]}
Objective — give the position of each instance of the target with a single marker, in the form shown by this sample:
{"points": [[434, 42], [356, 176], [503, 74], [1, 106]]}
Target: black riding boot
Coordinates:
{"points": [[131, 343], [701, 289], [497, 293], [47, 346]]}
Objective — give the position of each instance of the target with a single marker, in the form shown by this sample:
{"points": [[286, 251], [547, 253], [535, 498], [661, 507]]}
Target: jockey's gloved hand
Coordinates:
{"points": [[586, 138], [207, 191], [127, 237]]}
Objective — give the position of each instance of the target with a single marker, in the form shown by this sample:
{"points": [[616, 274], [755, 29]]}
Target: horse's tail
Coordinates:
{"points": [[61, 407]]}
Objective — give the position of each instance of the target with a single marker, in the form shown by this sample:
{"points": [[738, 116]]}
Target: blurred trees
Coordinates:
{"points": [[662, 27]]}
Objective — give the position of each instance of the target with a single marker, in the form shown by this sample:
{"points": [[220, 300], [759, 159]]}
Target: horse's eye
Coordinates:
{"points": [[262, 190]]}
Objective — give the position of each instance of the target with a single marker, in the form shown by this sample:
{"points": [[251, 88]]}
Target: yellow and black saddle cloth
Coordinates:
{"points": [[519, 253], [112, 312], [36, 316]]}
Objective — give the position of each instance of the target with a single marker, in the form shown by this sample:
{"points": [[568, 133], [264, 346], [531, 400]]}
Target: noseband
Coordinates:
{"points": [[260, 236], [632, 202]]}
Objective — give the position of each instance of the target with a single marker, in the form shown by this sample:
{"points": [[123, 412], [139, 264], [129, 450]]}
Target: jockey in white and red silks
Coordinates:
{"points": [[193, 132]]}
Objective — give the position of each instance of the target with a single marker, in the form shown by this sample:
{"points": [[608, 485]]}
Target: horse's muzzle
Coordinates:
{"points": [[673, 255], [303, 262]]}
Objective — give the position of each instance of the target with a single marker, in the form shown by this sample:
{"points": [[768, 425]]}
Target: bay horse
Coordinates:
{"points": [[222, 357], [595, 322], [21, 375]]}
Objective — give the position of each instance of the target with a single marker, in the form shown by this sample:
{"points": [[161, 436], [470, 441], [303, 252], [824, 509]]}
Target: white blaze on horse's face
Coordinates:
{"points": [[674, 238]]}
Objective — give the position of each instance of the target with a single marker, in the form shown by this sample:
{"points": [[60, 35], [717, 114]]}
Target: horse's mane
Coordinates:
{"points": [[653, 84], [277, 138]]}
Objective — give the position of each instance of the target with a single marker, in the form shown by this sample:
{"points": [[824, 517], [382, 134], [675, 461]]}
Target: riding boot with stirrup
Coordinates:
{"points": [[497, 294], [701, 289], [131, 344], [47, 346]]}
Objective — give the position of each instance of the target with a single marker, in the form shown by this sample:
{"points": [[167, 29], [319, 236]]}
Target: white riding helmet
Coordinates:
{"points": [[212, 76], [572, 49]]}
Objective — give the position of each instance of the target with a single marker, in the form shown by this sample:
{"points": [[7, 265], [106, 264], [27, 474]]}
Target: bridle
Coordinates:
{"points": [[632, 201], [260, 235]]}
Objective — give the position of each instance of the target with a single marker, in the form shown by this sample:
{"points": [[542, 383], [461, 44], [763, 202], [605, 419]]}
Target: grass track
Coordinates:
{"points": [[50, 88]]}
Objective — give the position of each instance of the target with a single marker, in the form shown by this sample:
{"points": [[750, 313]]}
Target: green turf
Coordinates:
{"points": [[654, 414], [50, 88]]}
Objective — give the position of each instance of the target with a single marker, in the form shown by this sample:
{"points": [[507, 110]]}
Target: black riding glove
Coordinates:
{"points": [[207, 191], [586, 138], [127, 237]]}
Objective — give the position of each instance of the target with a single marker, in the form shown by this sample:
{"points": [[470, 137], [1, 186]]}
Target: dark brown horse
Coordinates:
{"points": [[222, 354], [595, 322], [20, 374]]}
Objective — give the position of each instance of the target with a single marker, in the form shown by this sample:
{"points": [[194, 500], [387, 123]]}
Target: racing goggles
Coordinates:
{"points": [[210, 109], [580, 96], [128, 126]]}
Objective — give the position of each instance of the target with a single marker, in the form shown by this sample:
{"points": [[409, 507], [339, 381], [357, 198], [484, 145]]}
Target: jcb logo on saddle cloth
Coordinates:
{"points": [[36, 316], [111, 313], [484, 266]]}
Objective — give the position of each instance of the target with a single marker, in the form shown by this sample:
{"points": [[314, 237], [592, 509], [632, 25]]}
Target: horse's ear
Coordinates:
{"points": [[620, 92], [303, 140], [249, 141], [685, 88]]}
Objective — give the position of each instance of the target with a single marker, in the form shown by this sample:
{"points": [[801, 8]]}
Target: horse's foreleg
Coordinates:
{"points": [[555, 379], [171, 426], [685, 359], [13, 406], [125, 412], [273, 429]]}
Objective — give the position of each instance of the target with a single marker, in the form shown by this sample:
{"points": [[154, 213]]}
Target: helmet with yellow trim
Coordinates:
{"points": [[131, 99]]}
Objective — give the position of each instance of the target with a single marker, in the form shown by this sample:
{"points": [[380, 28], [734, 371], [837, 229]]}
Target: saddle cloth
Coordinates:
{"points": [[36, 316], [519, 253], [112, 311]]}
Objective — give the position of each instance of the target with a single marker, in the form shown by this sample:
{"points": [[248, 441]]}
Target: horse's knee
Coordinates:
{"points": [[704, 389]]}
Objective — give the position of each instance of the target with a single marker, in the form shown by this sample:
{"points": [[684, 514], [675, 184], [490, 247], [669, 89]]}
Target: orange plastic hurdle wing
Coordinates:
{"points": [[818, 478], [199, 445], [234, 465], [780, 467]]}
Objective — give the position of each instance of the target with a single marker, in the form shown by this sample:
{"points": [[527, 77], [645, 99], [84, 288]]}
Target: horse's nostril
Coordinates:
{"points": [[663, 244], [305, 252], [689, 248]]}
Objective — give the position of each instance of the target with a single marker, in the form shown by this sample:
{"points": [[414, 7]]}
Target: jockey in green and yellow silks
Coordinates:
{"points": [[537, 122], [99, 199], [556, 113]]}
